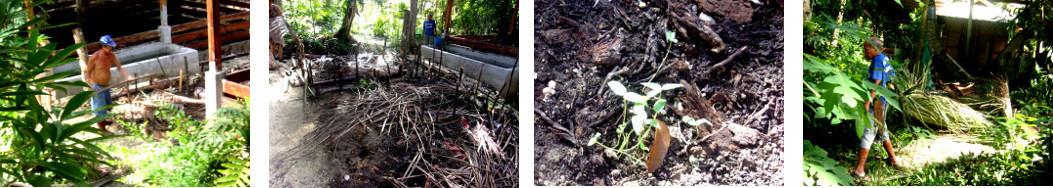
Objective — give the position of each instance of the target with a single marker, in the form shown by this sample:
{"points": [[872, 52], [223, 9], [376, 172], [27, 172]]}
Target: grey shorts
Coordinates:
{"points": [[869, 134]]}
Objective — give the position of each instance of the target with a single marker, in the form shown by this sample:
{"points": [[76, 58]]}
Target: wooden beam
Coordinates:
{"points": [[189, 36], [236, 36], [484, 46], [215, 42], [153, 35]]}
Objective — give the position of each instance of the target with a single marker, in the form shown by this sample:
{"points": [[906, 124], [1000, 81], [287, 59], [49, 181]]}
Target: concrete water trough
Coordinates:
{"points": [[491, 69], [160, 59]]}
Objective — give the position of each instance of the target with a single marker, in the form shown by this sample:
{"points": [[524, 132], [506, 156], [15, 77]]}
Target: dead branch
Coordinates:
{"points": [[724, 62], [558, 129]]}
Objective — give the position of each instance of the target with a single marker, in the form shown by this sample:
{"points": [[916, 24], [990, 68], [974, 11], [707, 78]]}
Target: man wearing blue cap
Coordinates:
{"points": [[98, 75]]}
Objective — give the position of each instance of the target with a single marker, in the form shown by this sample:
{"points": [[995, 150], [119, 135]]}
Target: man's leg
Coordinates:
{"points": [[864, 148], [97, 102], [861, 166], [885, 135]]}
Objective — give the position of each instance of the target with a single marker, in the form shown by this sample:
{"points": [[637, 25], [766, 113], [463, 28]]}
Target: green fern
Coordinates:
{"points": [[235, 173]]}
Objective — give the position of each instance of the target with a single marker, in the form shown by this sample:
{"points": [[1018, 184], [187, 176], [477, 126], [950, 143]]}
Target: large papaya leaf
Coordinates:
{"points": [[822, 170]]}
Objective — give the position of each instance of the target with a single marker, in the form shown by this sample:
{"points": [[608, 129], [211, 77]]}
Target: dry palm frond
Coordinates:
{"points": [[944, 112]]}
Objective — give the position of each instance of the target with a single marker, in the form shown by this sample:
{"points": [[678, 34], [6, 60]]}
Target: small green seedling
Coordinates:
{"points": [[643, 111]]}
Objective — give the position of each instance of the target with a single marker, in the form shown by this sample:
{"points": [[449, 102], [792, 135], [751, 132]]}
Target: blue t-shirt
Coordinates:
{"points": [[429, 28], [880, 69]]}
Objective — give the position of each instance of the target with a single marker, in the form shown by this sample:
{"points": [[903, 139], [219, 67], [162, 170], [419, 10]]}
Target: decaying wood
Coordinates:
{"points": [[607, 52], [697, 106], [692, 25], [739, 11], [757, 114]]}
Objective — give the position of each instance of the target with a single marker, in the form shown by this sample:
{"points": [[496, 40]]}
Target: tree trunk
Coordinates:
{"points": [[349, 16]]}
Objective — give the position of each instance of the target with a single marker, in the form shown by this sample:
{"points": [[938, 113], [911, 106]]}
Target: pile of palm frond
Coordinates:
{"points": [[943, 112]]}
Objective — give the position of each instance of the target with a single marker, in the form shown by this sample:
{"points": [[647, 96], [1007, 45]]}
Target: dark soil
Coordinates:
{"points": [[578, 45]]}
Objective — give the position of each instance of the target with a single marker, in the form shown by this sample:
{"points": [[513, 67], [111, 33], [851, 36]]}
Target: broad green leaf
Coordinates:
{"points": [[617, 88], [60, 57], [882, 91], [640, 110], [671, 86], [38, 180], [638, 123], [659, 106], [825, 169], [76, 102], [652, 85], [634, 97], [652, 93]]}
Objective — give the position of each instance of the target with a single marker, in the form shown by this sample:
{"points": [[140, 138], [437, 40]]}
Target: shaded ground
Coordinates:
{"points": [[291, 118], [580, 46]]}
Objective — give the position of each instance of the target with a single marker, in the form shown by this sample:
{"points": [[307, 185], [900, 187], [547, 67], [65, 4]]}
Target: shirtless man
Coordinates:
{"points": [[98, 75]]}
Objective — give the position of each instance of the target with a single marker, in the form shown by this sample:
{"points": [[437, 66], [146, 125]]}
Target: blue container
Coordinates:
{"points": [[438, 41]]}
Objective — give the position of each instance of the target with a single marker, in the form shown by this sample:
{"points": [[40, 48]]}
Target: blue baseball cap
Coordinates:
{"points": [[105, 39]]}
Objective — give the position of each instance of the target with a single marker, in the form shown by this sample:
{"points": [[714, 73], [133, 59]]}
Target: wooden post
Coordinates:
{"points": [[164, 12], [446, 16], [215, 54]]}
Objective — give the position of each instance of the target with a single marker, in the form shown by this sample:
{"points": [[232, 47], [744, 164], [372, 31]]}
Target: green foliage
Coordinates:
{"points": [[236, 173], [37, 143], [214, 153], [838, 95], [480, 17], [822, 170], [323, 45], [314, 18]]}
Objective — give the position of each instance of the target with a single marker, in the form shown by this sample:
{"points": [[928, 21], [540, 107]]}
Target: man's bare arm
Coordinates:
{"points": [[87, 72], [873, 95], [121, 69]]}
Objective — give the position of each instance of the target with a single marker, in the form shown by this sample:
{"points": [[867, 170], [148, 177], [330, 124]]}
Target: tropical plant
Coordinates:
{"points": [[214, 153], [38, 146]]}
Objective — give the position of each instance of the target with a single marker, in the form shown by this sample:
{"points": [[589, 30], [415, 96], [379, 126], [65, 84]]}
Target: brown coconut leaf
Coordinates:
{"points": [[659, 148]]}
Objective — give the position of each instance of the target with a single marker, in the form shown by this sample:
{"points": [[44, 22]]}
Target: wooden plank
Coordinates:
{"points": [[238, 76], [193, 35], [484, 46], [236, 36], [153, 34], [235, 89]]}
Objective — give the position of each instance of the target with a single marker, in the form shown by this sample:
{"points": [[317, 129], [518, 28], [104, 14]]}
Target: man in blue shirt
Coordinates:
{"points": [[880, 73], [429, 29]]}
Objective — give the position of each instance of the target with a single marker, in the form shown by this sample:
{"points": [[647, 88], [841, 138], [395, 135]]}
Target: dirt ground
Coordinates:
{"points": [[397, 130], [580, 46]]}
